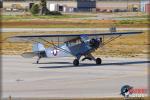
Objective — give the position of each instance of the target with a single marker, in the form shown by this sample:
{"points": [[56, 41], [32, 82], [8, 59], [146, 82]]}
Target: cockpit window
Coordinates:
{"points": [[73, 42]]}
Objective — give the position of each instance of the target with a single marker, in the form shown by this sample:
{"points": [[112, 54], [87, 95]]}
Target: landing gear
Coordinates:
{"points": [[98, 61], [89, 57], [76, 62], [38, 60], [86, 58]]}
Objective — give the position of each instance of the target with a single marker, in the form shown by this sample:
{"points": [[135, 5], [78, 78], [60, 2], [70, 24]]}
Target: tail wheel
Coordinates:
{"points": [[76, 62], [38, 59], [37, 62], [98, 61]]}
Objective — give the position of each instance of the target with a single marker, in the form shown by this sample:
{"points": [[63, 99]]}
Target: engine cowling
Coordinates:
{"points": [[94, 43]]}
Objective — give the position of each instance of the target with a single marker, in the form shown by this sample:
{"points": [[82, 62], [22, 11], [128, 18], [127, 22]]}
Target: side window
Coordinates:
{"points": [[73, 42]]}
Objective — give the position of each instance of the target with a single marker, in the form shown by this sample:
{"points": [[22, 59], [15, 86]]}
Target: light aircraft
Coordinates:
{"points": [[65, 45]]}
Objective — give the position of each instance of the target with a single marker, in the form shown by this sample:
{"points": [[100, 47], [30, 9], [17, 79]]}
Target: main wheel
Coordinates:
{"points": [[76, 62], [98, 61]]}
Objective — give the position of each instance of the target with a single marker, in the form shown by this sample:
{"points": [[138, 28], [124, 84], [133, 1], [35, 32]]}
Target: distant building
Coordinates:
{"points": [[86, 5], [61, 5], [145, 6], [122, 5], [83, 5], [22, 4]]}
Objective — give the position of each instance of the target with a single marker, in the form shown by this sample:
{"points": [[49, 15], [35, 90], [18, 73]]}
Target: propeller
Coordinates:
{"points": [[94, 43]]}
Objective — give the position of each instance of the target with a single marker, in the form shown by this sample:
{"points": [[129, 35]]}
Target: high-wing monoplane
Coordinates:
{"points": [[65, 45]]}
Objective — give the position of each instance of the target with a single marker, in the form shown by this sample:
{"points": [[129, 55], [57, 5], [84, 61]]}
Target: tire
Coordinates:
{"points": [[98, 61], [76, 62]]}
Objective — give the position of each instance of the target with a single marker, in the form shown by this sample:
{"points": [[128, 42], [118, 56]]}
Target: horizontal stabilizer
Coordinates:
{"points": [[28, 54]]}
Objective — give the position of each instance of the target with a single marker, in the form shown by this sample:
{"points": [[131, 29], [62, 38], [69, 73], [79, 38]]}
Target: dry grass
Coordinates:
{"points": [[59, 23], [134, 45], [75, 20], [71, 23]]}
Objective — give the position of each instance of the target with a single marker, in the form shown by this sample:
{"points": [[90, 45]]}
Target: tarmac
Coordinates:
{"points": [[3, 30], [58, 78]]}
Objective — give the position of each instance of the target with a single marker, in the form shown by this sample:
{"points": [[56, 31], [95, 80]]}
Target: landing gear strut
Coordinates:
{"points": [[38, 60], [89, 57], [76, 62], [98, 61]]}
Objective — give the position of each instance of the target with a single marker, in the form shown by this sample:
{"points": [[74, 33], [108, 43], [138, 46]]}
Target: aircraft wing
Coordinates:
{"points": [[61, 38]]}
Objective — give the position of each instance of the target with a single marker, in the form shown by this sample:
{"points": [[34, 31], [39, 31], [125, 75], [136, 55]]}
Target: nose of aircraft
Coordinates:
{"points": [[94, 43]]}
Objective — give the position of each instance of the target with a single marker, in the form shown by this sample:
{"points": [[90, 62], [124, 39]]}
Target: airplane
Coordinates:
{"points": [[66, 45]]}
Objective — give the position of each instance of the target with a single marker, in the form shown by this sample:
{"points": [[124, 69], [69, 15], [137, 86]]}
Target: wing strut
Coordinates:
{"points": [[111, 39]]}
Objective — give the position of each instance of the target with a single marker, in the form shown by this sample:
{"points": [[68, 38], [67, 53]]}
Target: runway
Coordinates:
{"points": [[57, 77], [3, 30]]}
